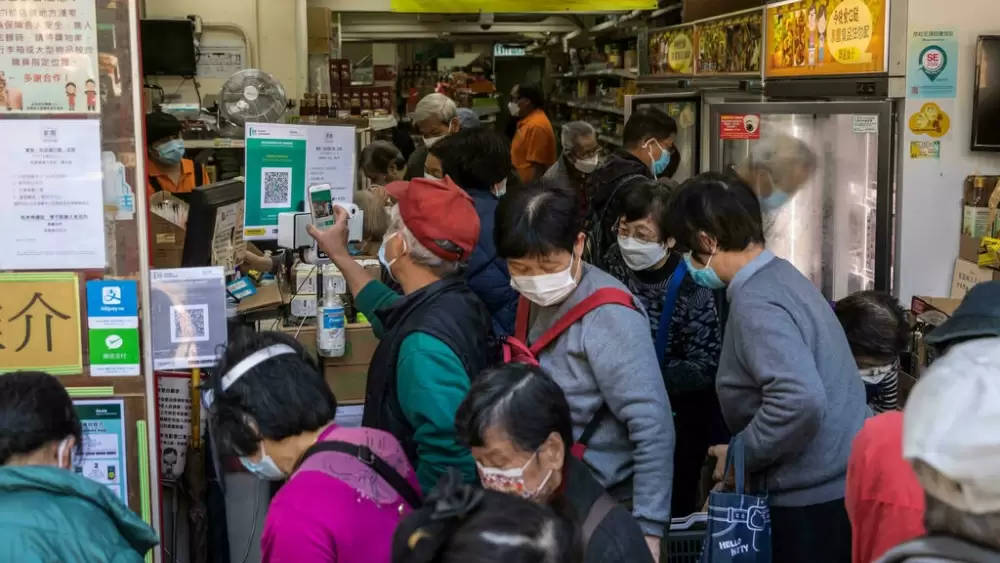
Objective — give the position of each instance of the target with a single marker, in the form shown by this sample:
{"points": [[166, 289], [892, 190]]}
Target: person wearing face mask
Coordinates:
{"points": [[878, 332], [580, 157], [688, 339], [270, 405], [648, 144], [787, 383], [166, 168], [517, 424], [605, 362], [381, 162], [434, 337], [533, 148], [435, 117], [478, 161], [48, 512]]}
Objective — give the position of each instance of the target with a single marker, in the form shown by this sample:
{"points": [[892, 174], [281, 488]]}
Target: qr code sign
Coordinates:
{"points": [[189, 323], [275, 187]]}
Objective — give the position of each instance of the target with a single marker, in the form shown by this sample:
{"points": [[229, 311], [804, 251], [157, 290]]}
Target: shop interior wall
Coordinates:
{"points": [[273, 27], [931, 190]]}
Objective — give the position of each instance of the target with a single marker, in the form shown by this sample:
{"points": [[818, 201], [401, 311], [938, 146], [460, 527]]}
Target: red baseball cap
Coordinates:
{"points": [[440, 215]]}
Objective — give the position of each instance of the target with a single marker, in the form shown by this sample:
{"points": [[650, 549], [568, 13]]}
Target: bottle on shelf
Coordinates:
{"points": [[975, 205], [331, 332]]}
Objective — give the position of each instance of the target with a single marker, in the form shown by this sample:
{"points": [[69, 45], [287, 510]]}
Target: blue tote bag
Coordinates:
{"points": [[739, 524]]}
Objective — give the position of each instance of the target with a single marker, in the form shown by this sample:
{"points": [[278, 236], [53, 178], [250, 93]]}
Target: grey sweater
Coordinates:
{"points": [[788, 383], [608, 357]]}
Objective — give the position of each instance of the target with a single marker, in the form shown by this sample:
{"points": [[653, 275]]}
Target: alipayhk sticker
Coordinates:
{"points": [[931, 120]]}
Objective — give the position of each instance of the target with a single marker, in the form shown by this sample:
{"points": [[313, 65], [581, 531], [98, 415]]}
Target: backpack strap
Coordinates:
{"points": [[365, 455], [667, 313], [604, 296], [601, 507], [588, 432]]}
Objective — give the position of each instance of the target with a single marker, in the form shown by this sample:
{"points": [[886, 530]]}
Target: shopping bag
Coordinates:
{"points": [[739, 524]]}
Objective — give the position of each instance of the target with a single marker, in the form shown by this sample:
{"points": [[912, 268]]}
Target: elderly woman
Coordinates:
{"points": [[580, 157], [517, 423], [463, 524], [434, 338], [47, 511], [381, 162], [435, 117], [688, 337], [270, 405], [878, 331], [605, 362]]}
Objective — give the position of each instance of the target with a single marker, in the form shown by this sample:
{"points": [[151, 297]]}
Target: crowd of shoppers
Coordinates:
{"points": [[657, 326]]}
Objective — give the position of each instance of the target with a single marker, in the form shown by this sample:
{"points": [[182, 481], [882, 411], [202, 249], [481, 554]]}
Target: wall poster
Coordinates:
{"points": [[104, 449]]}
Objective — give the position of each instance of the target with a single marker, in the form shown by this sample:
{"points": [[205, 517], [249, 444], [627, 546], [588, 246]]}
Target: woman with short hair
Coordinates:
{"points": [[604, 362], [517, 423], [270, 406], [48, 512], [381, 162]]}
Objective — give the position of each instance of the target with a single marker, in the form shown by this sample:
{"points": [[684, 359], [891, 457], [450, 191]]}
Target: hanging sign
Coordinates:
{"points": [[500, 50], [671, 51], [40, 323], [517, 6], [739, 127], [826, 37], [729, 45], [932, 65]]}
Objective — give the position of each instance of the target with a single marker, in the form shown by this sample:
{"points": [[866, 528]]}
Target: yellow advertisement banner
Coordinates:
{"points": [[522, 6], [40, 323], [671, 51], [729, 45], [826, 37]]}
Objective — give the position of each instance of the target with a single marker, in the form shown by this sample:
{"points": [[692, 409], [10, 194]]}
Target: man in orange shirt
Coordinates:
{"points": [[533, 149], [166, 168]]}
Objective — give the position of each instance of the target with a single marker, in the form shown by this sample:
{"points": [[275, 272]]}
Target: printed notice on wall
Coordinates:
{"points": [[739, 127], [51, 195], [174, 401], [104, 454], [220, 58], [48, 56]]}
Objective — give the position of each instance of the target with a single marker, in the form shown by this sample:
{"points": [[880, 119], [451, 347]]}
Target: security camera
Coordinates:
{"points": [[486, 21]]}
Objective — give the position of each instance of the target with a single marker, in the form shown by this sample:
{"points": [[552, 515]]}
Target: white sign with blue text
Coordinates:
{"points": [[932, 64], [113, 327]]}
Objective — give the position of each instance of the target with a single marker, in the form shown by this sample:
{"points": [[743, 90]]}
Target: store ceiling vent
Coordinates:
{"points": [[252, 96]]}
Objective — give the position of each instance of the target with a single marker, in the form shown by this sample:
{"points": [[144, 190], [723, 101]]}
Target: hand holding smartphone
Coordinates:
{"points": [[321, 206]]}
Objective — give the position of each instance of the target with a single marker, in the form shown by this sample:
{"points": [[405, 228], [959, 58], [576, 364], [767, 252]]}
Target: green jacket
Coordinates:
{"points": [[49, 514], [431, 383]]}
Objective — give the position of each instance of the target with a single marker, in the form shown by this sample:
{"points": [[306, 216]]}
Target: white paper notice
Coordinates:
{"points": [[175, 422], [51, 195], [220, 58], [330, 160], [228, 236]]}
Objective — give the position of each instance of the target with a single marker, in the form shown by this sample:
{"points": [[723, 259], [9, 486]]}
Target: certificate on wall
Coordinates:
{"points": [[104, 456], [51, 195], [48, 57]]}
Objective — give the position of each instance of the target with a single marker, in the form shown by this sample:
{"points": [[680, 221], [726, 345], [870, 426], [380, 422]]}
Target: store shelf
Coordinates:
{"points": [[611, 72], [593, 106], [220, 143], [616, 141]]}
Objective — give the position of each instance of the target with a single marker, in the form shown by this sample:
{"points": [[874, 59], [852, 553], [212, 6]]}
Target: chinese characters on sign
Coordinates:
{"points": [[174, 401], [932, 65], [40, 323], [113, 327], [330, 160], [104, 449], [48, 56], [51, 195]]}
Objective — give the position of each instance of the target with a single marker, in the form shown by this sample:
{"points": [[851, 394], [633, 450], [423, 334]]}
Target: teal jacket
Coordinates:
{"points": [[431, 383], [50, 514]]}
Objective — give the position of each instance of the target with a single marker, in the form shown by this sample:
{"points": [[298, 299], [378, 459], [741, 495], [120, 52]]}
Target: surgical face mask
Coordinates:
{"points": [[387, 263], [878, 374], [705, 277], [264, 469], [431, 141], [170, 152], [429, 176], [659, 165], [500, 189], [587, 165], [774, 201], [513, 108], [511, 481], [546, 289], [640, 254]]}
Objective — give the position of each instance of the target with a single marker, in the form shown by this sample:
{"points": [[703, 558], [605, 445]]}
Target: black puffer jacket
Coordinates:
{"points": [[606, 190]]}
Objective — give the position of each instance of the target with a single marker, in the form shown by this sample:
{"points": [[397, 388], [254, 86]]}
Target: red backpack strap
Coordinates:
{"points": [[605, 296], [521, 321]]}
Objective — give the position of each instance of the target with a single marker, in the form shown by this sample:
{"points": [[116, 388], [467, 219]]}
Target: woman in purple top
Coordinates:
{"points": [[270, 405]]}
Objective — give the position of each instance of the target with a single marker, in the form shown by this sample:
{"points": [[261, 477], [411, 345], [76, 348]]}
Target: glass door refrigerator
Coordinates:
{"points": [[827, 86]]}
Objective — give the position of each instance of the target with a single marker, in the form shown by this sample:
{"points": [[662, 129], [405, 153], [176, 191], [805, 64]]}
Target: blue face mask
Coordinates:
{"points": [[774, 201], [705, 277], [264, 469], [170, 152], [659, 165]]}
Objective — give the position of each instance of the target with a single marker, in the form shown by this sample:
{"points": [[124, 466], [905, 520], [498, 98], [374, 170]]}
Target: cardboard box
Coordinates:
{"points": [[968, 274], [928, 313], [318, 45], [347, 376], [319, 22]]}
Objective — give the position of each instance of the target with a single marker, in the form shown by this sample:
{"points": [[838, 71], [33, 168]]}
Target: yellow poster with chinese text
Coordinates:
{"points": [[826, 37], [40, 323], [517, 6]]}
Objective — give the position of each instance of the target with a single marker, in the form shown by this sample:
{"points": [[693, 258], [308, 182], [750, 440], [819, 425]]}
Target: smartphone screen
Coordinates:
{"points": [[321, 202]]}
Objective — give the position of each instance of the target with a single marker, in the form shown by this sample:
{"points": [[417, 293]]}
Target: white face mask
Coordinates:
{"points": [[546, 289], [430, 141], [264, 469], [510, 481], [640, 254], [513, 108], [500, 189], [587, 165], [429, 176]]}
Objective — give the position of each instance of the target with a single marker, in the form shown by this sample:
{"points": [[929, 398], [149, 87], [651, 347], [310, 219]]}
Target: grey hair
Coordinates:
{"points": [[575, 130], [418, 252], [435, 106], [376, 219], [777, 153]]}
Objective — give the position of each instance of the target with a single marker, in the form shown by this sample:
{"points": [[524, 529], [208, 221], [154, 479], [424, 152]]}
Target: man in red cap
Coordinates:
{"points": [[433, 338]]}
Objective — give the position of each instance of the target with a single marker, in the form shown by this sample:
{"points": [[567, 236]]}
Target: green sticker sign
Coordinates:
{"points": [[114, 351]]}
